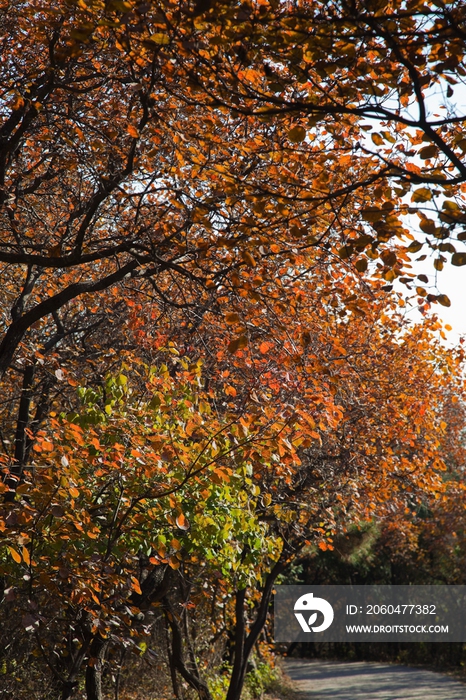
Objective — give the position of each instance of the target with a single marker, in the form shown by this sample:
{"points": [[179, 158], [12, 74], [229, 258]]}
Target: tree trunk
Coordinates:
{"points": [[244, 643], [13, 478], [94, 669], [177, 662]]}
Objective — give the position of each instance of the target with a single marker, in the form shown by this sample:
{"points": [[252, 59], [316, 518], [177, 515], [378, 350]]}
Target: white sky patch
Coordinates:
{"points": [[441, 101]]}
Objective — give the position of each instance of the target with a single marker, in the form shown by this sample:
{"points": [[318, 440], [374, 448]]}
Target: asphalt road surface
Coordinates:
{"points": [[327, 680]]}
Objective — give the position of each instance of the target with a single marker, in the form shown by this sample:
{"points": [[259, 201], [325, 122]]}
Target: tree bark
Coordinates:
{"points": [[14, 476], [244, 642], [94, 671], [191, 676]]}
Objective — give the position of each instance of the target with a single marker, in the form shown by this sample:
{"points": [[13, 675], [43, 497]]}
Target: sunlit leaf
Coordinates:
{"points": [[16, 556]]}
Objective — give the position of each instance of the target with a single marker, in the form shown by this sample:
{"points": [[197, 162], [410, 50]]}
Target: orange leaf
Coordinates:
{"points": [[265, 347], [15, 555], [26, 557], [248, 258], [182, 522], [222, 475], [135, 585], [132, 131]]}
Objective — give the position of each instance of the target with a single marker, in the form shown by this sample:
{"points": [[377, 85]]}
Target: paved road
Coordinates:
{"points": [[327, 680]]}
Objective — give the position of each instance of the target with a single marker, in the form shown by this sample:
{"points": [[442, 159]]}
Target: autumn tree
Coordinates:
{"points": [[191, 190], [219, 482], [175, 143]]}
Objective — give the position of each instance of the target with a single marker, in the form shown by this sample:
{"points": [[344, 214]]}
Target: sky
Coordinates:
{"points": [[452, 282]]}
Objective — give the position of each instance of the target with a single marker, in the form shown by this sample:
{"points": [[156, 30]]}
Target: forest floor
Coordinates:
{"points": [[329, 680]]}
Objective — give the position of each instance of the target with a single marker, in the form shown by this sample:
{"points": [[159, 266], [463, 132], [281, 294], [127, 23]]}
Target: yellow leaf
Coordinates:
{"points": [[449, 205], [422, 195], [159, 38]]}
